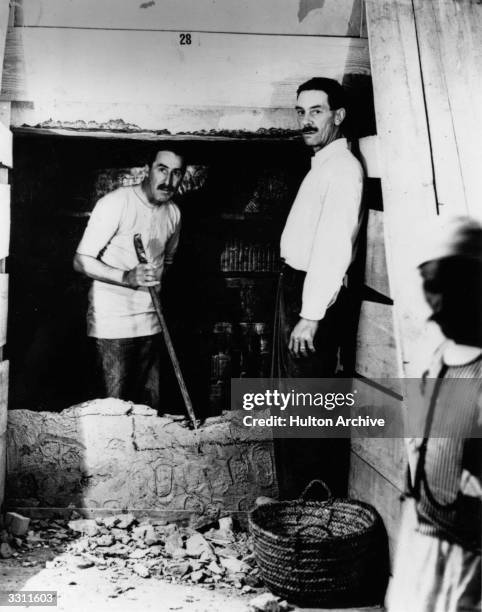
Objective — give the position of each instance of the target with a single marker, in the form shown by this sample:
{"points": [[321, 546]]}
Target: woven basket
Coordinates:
{"points": [[321, 553]]}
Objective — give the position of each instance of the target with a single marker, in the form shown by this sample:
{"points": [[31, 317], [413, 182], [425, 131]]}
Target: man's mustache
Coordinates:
{"points": [[308, 130]]}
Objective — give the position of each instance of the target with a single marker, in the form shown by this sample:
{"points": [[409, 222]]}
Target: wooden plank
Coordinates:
{"points": [[386, 455], [318, 17], [405, 166], [3, 427], [3, 395], [94, 66], [4, 15], [376, 355], [368, 146], [3, 308], [6, 146], [4, 220], [5, 113], [364, 28], [449, 35], [366, 484], [376, 275], [5, 159]]}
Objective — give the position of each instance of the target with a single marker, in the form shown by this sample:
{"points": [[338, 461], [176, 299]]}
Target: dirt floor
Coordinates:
{"points": [[55, 558], [99, 590]]}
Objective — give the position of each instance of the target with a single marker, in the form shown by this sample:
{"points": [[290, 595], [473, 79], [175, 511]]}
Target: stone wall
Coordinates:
{"points": [[109, 455]]}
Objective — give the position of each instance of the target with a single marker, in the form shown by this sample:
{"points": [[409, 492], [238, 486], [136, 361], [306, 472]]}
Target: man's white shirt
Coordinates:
{"points": [[116, 311], [322, 227]]}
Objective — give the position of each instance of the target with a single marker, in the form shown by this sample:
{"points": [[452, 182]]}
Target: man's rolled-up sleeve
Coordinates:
{"points": [[333, 244]]}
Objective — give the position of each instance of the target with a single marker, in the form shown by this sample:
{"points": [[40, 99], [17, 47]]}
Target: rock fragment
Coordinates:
{"points": [[87, 526], [5, 551], [17, 524], [141, 570], [105, 540], [85, 564], [196, 545], [174, 545], [234, 566], [268, 603], [197, 576], [125, 520]]}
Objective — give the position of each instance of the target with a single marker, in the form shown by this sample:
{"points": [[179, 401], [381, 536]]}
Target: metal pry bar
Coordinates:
{"points": [[142, 257]]}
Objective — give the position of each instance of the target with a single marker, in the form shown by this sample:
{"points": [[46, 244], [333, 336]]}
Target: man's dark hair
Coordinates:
{"points": [[150, 154], [455, 287], [333, 89]]}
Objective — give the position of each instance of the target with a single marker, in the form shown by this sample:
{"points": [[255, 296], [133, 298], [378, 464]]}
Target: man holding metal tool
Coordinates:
{"points": [[121, 317]]}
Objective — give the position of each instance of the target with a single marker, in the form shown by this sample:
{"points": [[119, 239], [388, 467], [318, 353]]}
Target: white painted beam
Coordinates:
{"points": [[325, 17]]}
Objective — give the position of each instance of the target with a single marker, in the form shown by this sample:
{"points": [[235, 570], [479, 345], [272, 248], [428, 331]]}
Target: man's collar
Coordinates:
{"points": [[459, 354], [330, 149], [143, 198]]}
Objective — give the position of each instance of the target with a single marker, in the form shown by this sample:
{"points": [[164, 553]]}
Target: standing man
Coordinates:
{"points": [[318, 241], [121, 317], [317, 246], [437, 564]]}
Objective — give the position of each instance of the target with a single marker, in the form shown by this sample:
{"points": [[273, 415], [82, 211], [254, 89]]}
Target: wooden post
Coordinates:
{"points": [[405, 167], [5, 164], [389, 336]]}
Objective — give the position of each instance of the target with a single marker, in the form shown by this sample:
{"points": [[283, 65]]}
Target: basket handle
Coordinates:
{"points": [[318, 483]]}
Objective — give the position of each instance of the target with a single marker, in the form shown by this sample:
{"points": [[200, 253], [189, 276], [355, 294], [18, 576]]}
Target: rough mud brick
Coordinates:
{"points": [[16, 524]]}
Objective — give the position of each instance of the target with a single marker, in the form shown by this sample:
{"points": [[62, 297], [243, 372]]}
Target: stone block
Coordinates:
{"points": [[17, 524], [114, 456]]}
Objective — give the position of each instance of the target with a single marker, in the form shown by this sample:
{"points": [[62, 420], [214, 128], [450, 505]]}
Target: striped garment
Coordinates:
{"points": [[443, 510]]}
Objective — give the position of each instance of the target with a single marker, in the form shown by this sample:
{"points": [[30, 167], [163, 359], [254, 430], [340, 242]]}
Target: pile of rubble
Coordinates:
{"points": [[148, 548], [218, 557], [154, 548], [15, 536]]}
